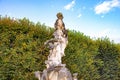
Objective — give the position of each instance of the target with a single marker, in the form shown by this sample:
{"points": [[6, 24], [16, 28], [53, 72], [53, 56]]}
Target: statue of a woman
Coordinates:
{"points": [[57, 44], [55, 69]]}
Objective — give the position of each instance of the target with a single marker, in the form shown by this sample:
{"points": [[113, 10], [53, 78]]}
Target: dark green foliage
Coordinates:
{"points": [[22, 49], [80, 54], [109, 54], [22, 52]]}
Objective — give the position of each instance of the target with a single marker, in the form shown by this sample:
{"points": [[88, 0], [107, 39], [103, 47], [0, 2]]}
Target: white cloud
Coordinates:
{"points": [[79, 15], [106, 6], [70, 5]]}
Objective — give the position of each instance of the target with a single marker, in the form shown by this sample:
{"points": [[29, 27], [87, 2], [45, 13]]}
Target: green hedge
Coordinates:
{"points": [[22, 52]]}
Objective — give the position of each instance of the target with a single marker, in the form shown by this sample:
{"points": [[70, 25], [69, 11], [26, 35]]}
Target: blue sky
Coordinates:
{"points": [[95, 18]]}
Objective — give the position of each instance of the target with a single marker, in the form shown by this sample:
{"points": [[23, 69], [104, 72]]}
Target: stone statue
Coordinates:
{"points": [[57, 44], [55, 70]]}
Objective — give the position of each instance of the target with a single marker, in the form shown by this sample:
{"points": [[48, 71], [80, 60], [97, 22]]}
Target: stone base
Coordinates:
{"points": [[54, 73]]}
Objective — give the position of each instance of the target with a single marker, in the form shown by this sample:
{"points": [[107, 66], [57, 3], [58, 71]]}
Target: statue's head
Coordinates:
{"points": [[59, 15]]}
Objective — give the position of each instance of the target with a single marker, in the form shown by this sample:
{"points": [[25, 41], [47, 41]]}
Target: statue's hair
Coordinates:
{"points": [[59, 15]]}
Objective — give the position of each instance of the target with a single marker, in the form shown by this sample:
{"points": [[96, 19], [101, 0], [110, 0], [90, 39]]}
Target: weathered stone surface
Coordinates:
{"points": [[55, 70], [55, 73]]}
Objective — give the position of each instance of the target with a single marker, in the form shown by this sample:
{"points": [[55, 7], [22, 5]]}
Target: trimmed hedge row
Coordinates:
{"points": [[22, 52]]}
